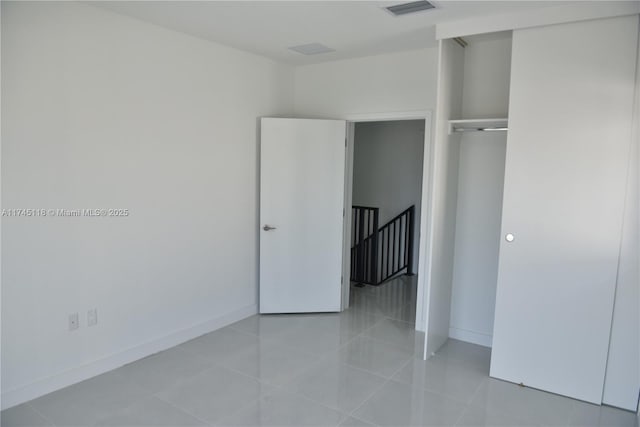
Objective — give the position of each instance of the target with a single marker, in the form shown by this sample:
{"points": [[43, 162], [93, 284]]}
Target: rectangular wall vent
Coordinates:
{"points": [[412, 7]]}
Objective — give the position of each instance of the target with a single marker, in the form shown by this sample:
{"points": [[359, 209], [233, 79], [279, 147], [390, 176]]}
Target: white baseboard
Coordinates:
{"points": [[55, 382], [471, 337]]}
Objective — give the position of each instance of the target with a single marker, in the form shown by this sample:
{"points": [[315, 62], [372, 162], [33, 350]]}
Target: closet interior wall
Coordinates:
{"points": [[485, 94]]}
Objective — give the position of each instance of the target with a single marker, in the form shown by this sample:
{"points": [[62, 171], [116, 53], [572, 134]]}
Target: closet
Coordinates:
{"points": [[487, 63], [552, 234], [469, 153]]}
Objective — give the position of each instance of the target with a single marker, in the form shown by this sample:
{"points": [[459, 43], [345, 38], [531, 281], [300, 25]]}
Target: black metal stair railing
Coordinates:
{"points": [[379, 254], [364, 244]]}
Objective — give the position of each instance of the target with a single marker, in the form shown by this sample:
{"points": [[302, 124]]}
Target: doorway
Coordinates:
{"points": [[295, 155], [386, 160]]}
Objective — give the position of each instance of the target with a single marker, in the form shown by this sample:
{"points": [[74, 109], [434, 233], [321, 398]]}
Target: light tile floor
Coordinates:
{"points": [[357, 368]]}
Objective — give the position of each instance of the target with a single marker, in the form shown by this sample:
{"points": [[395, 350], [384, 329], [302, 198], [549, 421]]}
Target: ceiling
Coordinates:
{"points": [[269, 28]]}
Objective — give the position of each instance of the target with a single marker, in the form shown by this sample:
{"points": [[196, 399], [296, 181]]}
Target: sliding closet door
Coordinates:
{"points": [[570, 116]]}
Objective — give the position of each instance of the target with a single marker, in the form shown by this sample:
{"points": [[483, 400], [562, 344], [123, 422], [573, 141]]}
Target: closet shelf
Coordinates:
{"points": [[478, 125]]}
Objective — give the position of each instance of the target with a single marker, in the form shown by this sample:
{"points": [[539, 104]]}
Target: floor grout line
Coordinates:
{"points": [[183, 410], [37, 411], [468, 405], [376, 390]]}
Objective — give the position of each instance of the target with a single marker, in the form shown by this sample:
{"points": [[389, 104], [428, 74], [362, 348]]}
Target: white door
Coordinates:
{"points": [[569, 135], [301, 214]]}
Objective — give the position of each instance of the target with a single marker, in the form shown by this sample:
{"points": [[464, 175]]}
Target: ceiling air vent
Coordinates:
{"points": [[311, 49], [412, 7]]}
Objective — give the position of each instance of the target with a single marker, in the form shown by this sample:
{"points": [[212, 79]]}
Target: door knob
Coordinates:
{"points": [[509, 237], [268, 228]]}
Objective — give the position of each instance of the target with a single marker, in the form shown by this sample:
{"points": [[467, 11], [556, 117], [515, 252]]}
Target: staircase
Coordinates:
{"points": [[379, 254]]}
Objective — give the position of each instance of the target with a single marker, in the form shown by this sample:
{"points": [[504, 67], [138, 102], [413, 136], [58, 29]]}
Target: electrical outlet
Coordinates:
{"points": [[92, 317], [74, 322]]}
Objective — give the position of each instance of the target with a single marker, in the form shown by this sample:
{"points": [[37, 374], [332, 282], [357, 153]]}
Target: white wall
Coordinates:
{"points": [[561, 13], [477, 237], [403, 81], [480, 184], [1, 206], [387, 169], [622, 381], [104, 111], [487, 70]]}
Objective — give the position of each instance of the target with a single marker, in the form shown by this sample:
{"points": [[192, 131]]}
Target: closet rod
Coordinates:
{"points": [[488, 129]]}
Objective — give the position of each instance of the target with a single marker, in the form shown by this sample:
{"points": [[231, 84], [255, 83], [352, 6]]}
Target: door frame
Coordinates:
{"points": [[425, 211]]}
